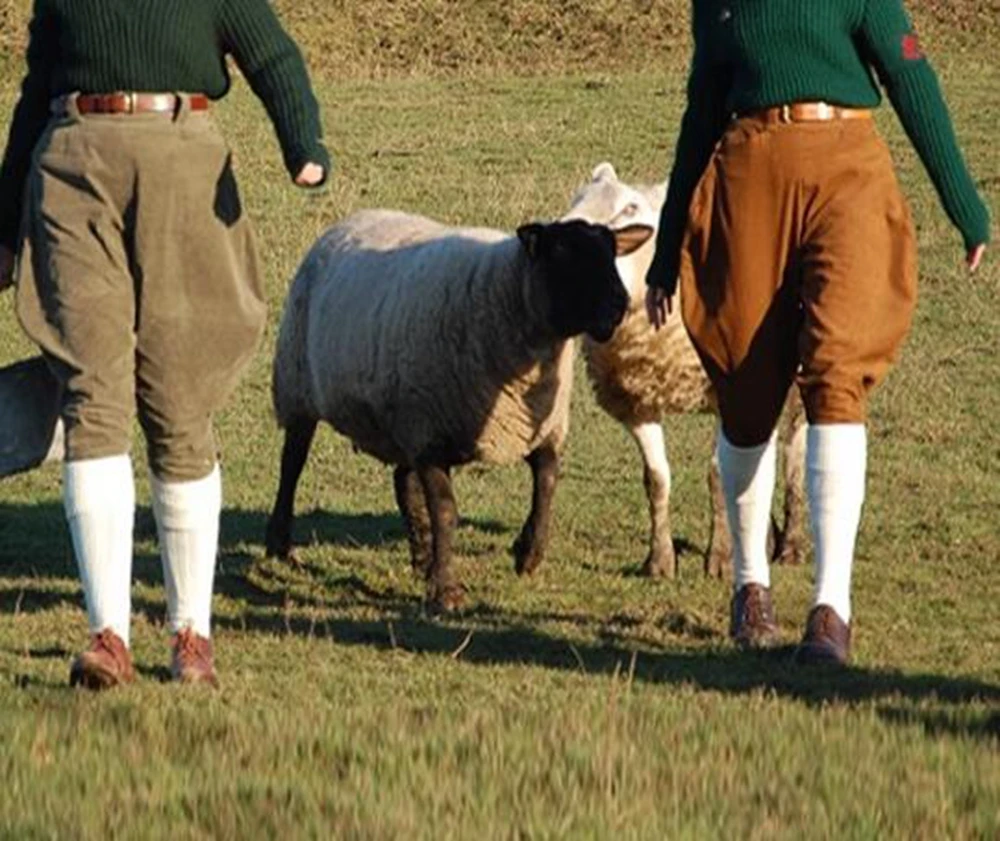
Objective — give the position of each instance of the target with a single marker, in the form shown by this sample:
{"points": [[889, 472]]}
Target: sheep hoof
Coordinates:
{"points": [[420, 565], [662, 565], [716, 563], [526, 560], [280, 549], [289, 556], [526, 563], [790, 552], [447, 599]]}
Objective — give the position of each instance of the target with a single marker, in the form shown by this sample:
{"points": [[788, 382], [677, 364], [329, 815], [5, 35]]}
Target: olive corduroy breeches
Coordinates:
{"points": [[140, 282]]}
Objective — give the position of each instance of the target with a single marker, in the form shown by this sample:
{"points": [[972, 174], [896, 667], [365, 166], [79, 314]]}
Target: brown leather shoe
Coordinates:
{"points": [[827, 638], [752, 622], [192, 661], [107, 663]]}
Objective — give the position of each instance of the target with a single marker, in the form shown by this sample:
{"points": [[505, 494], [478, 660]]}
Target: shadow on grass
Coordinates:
{"points": [[484, 635], [34, 540], [984, 726], [490, 637]]}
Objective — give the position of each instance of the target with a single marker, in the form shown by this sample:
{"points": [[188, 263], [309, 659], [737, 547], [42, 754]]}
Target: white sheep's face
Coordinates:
{"points": [[575, 261], [606, 200]]}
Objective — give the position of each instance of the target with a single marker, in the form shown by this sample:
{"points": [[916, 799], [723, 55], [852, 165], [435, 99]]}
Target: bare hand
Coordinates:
{"points": [[975, 257], [6, 268], [310, 175], [658, 306]]}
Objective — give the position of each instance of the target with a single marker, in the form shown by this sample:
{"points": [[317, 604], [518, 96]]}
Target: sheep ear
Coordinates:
{"points": [[530, 236], [631, 238], [604, 172]]}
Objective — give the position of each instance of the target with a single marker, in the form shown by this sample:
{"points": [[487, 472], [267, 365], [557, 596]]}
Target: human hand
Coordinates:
{"points": [[311, 175], [658, 306], [6, 268], [975, 256]]}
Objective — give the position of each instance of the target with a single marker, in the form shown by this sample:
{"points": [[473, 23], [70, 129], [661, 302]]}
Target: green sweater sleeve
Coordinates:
{"points": [[891, 45], [703, 123], [30, 117], [276, 71]]}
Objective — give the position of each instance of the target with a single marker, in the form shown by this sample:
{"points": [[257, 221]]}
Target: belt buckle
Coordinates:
{"points": [[130, 102], [785, 115], [825, 111]]}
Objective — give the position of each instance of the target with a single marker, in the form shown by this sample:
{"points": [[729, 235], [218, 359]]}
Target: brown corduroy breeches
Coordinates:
{"points": [[799, 262], [140, 282]]}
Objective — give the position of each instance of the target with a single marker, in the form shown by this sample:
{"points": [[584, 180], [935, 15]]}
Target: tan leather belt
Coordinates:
{"points": [[131, 103], [807, 112]]}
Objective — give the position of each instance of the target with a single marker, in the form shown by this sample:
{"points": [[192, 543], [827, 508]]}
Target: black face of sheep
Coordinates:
{"points": [[577, 262]]}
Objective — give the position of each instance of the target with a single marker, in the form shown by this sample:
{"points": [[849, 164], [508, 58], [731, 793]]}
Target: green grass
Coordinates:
{"points": [[587, 702]]}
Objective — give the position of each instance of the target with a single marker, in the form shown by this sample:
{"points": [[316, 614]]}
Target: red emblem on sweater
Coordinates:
{"points": [[911, 48]]}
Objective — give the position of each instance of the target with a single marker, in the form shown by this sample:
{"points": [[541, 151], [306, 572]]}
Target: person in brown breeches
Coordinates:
{"points": [[796, 262]]}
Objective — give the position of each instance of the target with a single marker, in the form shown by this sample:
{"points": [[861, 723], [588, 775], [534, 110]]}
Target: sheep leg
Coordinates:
{"points": [[413, 507], [529, 548], [720, 547], [444, 593], [298, 439], [661, 562], [790, 545]]}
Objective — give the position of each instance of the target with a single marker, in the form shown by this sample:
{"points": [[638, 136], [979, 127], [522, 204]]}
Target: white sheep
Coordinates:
{"points": [[642, 375], [430, 347]]}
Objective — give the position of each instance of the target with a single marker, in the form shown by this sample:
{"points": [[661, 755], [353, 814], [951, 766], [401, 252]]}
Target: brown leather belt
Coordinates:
{"points": [[807, 112], [131, 103]]}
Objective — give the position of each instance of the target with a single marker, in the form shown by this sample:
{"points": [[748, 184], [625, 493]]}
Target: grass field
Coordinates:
{"points": [[587, 702]]}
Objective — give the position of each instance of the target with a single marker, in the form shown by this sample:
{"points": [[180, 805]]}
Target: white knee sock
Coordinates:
{"points": [[747, 475], [99, 499], [836, 459], [187, 521]]}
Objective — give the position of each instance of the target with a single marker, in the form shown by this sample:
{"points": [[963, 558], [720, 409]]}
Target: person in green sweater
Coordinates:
{"points": [[138, 276], [795, 253]]}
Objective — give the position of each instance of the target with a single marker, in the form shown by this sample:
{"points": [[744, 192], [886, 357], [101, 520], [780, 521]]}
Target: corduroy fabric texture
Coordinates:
{"points": [[103, 46], [755, 54], [140, 282]]}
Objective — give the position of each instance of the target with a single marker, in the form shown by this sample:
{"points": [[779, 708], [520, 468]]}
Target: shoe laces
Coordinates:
{"points": [[190, 645], [753, 610], [826, 623], [109, 641]]}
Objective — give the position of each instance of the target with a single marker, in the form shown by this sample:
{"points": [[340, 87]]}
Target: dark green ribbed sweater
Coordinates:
{"points": [[753, 54], [102, 46]]}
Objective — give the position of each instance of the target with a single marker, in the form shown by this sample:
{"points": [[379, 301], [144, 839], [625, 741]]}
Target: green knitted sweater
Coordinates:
{"points": [[753, 54], [102, 46]]}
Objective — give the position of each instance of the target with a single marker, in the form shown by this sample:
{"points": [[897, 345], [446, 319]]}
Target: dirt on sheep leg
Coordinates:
{"points": [[444, 593], [529, 548], [298, 439], [416, 518], [718, 559], [661, 562], [792, 543]]}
